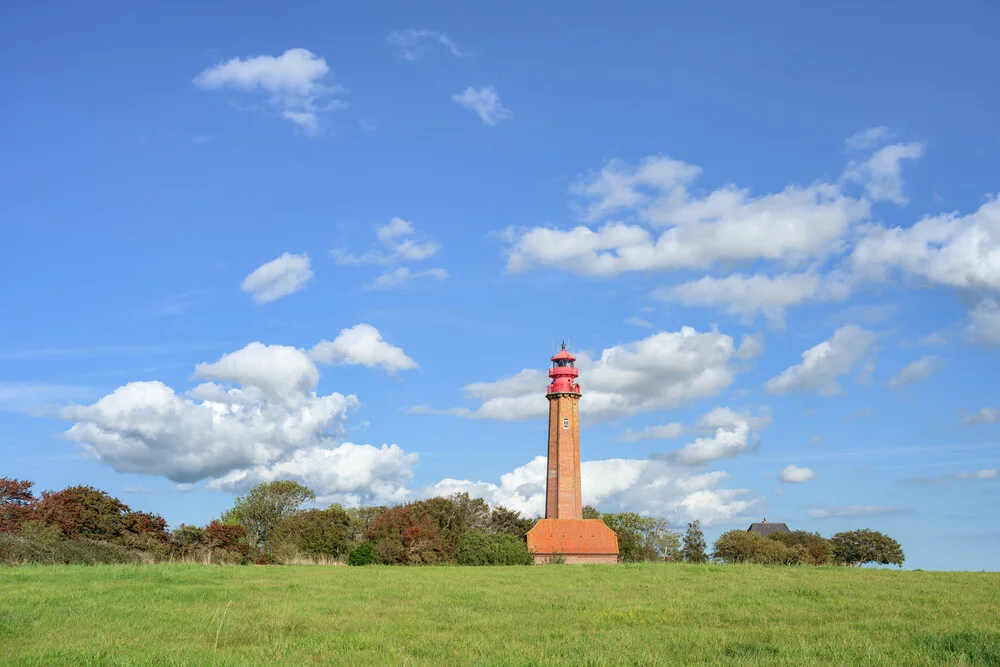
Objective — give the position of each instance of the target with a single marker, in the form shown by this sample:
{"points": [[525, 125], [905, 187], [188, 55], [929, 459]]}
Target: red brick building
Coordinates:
{"points": [[564, 533]]}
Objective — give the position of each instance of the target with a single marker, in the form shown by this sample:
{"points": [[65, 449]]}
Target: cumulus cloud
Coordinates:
{"points": [[882, 173], [916, 371], [747, 296], [362, 344], [637, 485], [349, 473], [725, 225], [256, 417], [484, 102], [984, 323], [663, 370], [949, 249], [853, 511], [793, 474], [400, 245], [293, 81], [412, 43], [725, 444], [981, 416], [823, 364], [279, 277]]}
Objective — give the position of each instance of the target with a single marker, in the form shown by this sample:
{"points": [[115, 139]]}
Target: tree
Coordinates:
{"points": [[642, 538], [361, 519], [815, 545], [312, 533], [86, 512], [265, 505], [694, 544], [590, 512], [406, 535], [858, 547], [509, 522], [16, 502]]}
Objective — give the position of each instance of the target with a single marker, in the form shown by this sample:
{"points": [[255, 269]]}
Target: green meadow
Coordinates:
{"points": [[628, 614]]}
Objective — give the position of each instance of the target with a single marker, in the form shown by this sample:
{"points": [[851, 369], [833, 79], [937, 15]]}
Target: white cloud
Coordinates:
{"points": [[881, 174], [484, 102], [746, 296], [718, 418], [793, 226], [646, 486], [279, 277], [977, 475], [981, 416], [725, 444], [258, 416], [984, 322], [916, 371], [402, 275], [362, 344], [292, 80], [853, 511], [934, 338], [823, 364], [957, 251], [349, 473], [661, 371], [867, 139], [793, 474], [638, 322], [412, 43], [661, 432], [398, 247]]}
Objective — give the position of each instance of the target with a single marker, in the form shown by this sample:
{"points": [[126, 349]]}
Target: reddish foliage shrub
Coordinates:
{"points": [[226, 536], [89, 513], [413, 528], [16, 502]]}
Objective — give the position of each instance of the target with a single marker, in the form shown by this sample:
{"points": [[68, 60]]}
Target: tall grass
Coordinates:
{"points": [[625, 614]]}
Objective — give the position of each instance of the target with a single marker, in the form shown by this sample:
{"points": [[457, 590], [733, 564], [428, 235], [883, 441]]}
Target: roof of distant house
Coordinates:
{"points": [[764, 528]]}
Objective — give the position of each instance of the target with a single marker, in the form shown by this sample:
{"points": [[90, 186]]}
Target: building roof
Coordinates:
{"points": [[572, 537], [764, 528]]}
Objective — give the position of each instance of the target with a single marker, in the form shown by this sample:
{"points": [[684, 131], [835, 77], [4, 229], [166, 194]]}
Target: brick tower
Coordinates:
{"points": [[564, 532]]}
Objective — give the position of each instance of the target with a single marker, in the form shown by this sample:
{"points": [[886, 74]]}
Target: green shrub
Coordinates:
{"points": [[817, 548], [16, 549], [363, 554], [740, 546], [479, 548], [311, 533]]}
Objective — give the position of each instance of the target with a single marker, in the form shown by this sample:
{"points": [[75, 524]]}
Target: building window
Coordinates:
{"points": [[565, 423]]}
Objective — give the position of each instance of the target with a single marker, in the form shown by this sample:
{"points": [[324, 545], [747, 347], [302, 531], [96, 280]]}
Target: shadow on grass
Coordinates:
{"points": [[979, 648]]}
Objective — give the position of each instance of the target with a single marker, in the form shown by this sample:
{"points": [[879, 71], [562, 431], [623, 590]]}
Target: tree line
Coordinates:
{"points": [[270, 524]]}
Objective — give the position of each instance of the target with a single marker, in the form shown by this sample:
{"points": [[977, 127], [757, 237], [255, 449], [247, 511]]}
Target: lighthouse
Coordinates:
{"points": [[564, 533]]}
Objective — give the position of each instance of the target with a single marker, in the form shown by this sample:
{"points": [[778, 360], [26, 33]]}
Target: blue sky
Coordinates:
{"points": [[244, 242]]}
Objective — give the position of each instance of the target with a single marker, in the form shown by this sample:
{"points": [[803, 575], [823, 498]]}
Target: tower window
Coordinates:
{"points": [[565, 423]]}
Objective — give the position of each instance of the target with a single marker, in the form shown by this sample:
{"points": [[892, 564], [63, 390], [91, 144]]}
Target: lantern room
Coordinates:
{"points": [[563, 373]]}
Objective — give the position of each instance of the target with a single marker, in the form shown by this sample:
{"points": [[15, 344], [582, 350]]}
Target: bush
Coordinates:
{"points": [[312, 533], [740, 546], [816, 548], [479, 548], [16, 502], [406, 535], [83, 512], [16, 549], [363, 554]]}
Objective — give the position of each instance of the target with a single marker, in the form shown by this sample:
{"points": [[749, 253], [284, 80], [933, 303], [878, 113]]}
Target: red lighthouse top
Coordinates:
{"points": [[563, 373]]}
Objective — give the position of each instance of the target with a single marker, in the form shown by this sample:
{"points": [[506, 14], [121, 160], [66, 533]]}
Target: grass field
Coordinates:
{"points": [[636, 615]]}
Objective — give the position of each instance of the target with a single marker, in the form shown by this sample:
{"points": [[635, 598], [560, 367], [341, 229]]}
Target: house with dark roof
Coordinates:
{"points": [[764, 528]]}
